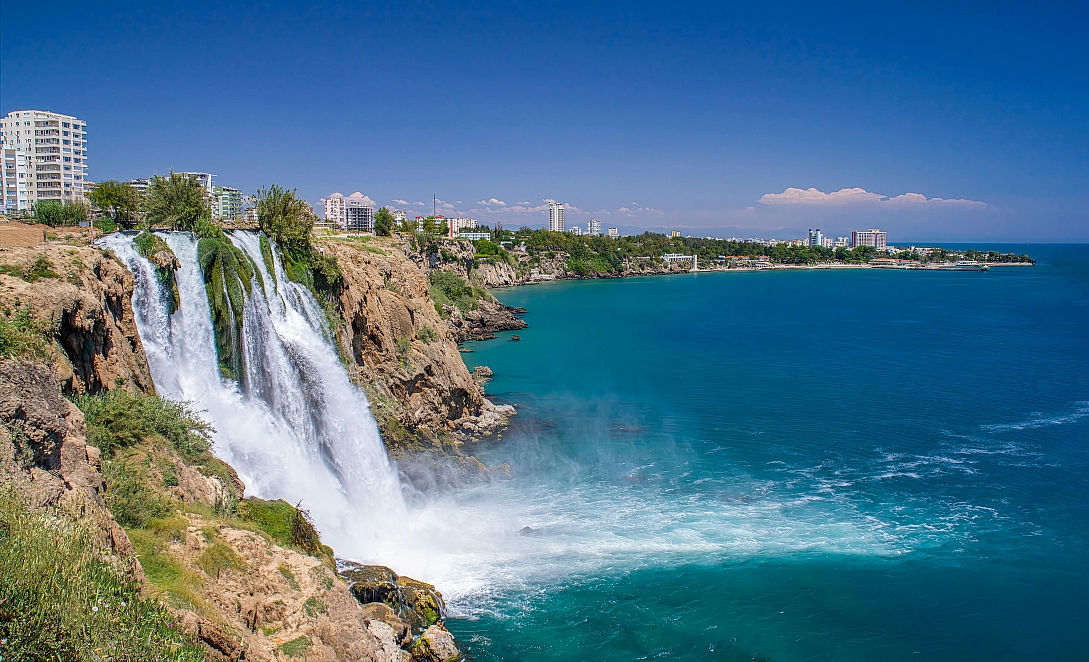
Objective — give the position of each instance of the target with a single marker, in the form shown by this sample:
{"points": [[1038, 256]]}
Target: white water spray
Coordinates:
{"points": [[298, 429]]}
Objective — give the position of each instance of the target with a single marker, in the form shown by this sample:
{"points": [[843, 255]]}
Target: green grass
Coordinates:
{"points": [[31, 272], [22, 336], [427, 334], [219, 557], [285, 570], [296, 647], [59, 600]]}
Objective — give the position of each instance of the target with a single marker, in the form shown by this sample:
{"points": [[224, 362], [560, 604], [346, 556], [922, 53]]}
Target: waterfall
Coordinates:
{"points": [[294, 426]]}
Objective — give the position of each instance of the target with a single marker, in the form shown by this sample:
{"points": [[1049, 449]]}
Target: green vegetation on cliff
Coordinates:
{"points": [[62, 599], [450, 289], [153, 248], [227, 275], [22, 336], [156, 466]]}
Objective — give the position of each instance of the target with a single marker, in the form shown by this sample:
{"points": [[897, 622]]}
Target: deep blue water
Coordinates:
{"points": [[815, 465]]}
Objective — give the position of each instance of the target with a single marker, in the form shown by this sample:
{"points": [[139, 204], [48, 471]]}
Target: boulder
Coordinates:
{"points": [[436, 644], [415, 603]]}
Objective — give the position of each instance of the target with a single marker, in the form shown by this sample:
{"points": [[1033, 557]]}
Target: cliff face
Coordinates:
{"points": [[403, 352], [44, 452], [84, 295]]}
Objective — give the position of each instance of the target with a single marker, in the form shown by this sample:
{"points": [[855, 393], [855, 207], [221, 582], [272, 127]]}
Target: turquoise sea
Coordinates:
{"points": [[806, 465]]}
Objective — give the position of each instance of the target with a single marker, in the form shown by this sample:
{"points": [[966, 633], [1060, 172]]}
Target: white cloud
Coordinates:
{"points": [[402, 202], [810, 196], [493, 202], [919, 198], [365, 199], [850, 196]]}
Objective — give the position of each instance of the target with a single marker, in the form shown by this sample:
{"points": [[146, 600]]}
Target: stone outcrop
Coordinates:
{"points": [[44, 452], [404, 354], [85, 298], [484, 321]]}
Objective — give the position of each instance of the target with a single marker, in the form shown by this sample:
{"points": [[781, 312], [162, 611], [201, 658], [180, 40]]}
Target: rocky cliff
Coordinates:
{"points": [[403, 352], [245, 579], [84, 297]]}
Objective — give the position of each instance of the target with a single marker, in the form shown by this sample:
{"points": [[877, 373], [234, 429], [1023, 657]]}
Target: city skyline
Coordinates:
{"points": [[958, 125]]}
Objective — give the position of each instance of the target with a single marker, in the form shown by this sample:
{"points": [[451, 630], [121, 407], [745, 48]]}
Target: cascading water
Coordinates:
{"points": [[294, 427]]}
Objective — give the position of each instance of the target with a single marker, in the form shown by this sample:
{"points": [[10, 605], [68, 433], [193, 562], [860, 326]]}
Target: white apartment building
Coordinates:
{"points": [[555, 217], [613, 233], [871, 237], [576, 230], [815, 238], [593, 228], [399, 216], [334, 210], [44, 157], [842, 242]]}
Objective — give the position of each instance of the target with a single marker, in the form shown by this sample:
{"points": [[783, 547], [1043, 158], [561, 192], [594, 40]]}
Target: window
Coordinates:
{"points": [[67, 159]]}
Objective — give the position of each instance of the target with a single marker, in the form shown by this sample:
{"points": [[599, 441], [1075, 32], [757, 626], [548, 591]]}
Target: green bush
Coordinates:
{"points": [[59, 600], [285, 524], [177, 202], [55, 213], [450, 289], [23, 336], [129, 496], [119, 419], [427, 334]]}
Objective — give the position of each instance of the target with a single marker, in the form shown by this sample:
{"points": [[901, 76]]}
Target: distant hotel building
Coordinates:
{"points": [[399, 216], [555, 217], [593, 228], [44, 158], [226, 203], [874, 238], [352, 213], [815, 238], [613, 233]]}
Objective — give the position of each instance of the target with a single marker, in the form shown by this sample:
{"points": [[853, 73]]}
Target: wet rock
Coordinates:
{"points": [[416, 603], [436, 644], [379, 611]]}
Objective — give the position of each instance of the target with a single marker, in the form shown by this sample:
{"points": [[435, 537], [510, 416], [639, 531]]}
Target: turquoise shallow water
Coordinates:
{"points": [[818, 465]]}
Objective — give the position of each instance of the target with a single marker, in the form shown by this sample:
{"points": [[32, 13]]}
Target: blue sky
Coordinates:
{"points": [[716, 119]]}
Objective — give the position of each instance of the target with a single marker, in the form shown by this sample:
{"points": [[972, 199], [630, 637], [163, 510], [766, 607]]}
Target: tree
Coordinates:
{"points": [[383, 222], [407, 226], [284, 217], [178, 201], [121, 201], [431, 226], [55, 213]]}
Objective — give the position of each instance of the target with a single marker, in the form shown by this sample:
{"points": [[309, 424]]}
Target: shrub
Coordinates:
{"points": [[119, 419], [129, 498], [427, 334], [61, 601], [296, 647], [284, 217], [33, 271], [448, 288], [55, 213]]}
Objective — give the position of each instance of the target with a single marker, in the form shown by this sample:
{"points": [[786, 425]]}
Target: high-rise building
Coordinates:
{"points": [[358, 213], [815, 238], [555, 217], [44, 158], [399, 216], [593, 228], [334, 210], [613, 233], [576, 230], [226, 203], [871, 237]]}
